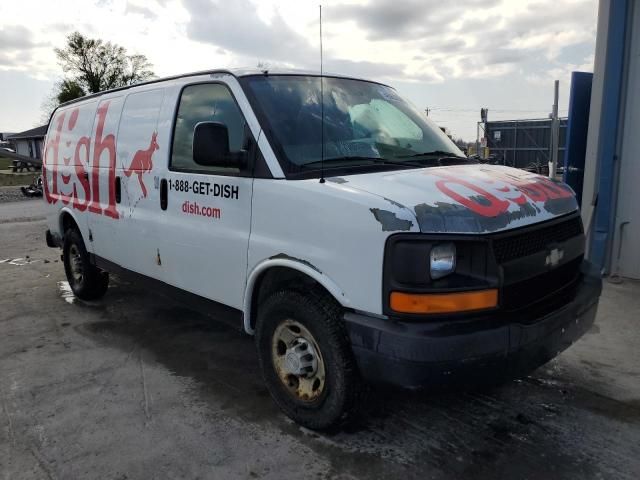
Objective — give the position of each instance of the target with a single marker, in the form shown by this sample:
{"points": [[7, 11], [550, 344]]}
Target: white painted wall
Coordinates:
{"points": [[623, 254], [627, 234]]}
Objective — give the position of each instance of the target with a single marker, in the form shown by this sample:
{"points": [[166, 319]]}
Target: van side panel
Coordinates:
{"points": [[205, 228], [93, 145], [141, 151], [102, 209], [66, 165]]}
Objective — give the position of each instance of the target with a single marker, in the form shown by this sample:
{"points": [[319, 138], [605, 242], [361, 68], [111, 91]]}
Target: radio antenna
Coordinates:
{"points": [[321, 106]]}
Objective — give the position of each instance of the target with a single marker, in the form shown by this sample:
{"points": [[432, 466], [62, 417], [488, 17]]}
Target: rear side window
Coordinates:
{"points": [[209, 102], [138, 128]]}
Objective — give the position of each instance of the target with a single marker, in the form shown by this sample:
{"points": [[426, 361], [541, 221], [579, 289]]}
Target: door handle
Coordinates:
{"points": [[118, 188], [164, 201]]}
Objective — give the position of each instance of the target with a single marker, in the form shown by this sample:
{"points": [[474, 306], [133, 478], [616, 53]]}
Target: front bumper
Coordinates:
{"points": [[478, 349]]}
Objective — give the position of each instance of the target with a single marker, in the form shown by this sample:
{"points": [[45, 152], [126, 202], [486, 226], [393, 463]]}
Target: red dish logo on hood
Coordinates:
{"points": [[491, 192]]}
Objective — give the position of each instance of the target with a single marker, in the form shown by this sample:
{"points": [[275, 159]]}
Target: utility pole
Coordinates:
{"points": [[483, 119], [555, 133]]}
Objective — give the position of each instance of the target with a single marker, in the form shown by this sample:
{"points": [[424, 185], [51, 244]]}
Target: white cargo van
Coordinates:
{"points": [[328, 217]]}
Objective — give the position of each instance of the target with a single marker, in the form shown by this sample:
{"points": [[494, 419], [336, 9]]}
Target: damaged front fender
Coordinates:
{"points": [[301, 265], [390, 221]]}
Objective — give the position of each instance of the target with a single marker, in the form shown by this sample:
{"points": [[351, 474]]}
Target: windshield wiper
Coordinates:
{"points": [[440, 158], [375, 160], [433, 153]]}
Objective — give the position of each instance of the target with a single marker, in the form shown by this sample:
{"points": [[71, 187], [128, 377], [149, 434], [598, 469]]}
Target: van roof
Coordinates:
{"points": [[236, 72]]}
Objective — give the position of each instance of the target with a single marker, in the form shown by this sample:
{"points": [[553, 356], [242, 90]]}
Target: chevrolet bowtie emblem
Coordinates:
{"points": [[554, 257]]}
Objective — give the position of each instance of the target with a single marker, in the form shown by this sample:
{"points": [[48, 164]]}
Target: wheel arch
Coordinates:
{"points": [[295, 268], [66, 219]]}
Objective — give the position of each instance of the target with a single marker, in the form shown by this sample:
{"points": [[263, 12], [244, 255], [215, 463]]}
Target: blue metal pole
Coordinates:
{"points": [[577, 129]]}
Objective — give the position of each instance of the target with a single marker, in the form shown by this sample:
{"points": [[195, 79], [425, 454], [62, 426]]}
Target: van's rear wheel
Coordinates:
{"points": [[86, 280], [306, 358]]}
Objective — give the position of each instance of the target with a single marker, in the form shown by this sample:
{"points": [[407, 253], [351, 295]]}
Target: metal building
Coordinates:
{"points": [[612, 165], [523, 143]]}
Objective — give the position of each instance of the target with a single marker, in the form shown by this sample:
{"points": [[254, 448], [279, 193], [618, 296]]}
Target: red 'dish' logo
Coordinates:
{"points": [[89, 159], [88, 175], [492, 193]]}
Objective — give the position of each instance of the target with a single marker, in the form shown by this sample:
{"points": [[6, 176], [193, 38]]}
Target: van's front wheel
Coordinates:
{"points": [[306, 358], [86, 280]]}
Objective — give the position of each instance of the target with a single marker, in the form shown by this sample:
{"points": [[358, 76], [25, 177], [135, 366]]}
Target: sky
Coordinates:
{"points": [[452, 57]]}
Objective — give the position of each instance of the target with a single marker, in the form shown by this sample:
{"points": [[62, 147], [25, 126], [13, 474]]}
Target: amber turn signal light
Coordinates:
{"points": [[443, 302]]}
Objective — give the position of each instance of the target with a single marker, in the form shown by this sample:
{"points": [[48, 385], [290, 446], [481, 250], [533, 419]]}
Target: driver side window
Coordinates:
{"points": [[207, 102]]}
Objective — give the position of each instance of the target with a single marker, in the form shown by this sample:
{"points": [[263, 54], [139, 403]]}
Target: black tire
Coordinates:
{"points": [[342, 390], [86, 280]]}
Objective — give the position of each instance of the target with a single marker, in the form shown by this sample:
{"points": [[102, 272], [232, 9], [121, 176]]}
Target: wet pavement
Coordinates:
{"points": [[138, 386]]}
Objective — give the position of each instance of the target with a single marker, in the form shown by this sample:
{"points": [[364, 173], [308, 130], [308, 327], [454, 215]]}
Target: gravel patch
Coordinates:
{"points": [[12, 194]]}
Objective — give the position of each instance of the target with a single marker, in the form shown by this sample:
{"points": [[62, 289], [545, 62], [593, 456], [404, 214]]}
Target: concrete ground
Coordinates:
{"points": [[136, 386]]}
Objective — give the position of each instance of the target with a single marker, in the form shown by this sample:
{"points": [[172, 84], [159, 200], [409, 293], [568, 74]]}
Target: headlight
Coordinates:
{"points": [[422, 268], [443, 260]]}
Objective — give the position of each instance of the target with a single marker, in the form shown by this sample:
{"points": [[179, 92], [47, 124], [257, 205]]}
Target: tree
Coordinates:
{"points": [[68, 90], [95, 65], [63, 91]]}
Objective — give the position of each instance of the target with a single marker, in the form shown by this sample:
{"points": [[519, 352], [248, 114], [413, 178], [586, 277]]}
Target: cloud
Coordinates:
{"points": [[146, 12], [492, 36], [413, 40], [562, 73], [16, 37], [17, 46], [505, 55], [429, 47], [236, 27], [547, 15], [364, 69], [404, 19], [8, 60]]}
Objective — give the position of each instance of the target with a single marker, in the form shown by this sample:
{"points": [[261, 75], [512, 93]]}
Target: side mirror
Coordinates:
{"points": [[211, 147]]}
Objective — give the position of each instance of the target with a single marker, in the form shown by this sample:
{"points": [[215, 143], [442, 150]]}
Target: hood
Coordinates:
{"points": [[469, 198]]}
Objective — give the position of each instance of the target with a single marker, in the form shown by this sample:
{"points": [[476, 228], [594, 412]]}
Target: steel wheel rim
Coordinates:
{"points": [[298, 361], [75, 262]]}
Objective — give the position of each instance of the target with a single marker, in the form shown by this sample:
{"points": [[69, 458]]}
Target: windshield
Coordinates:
{"points": [[365, 123]]}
